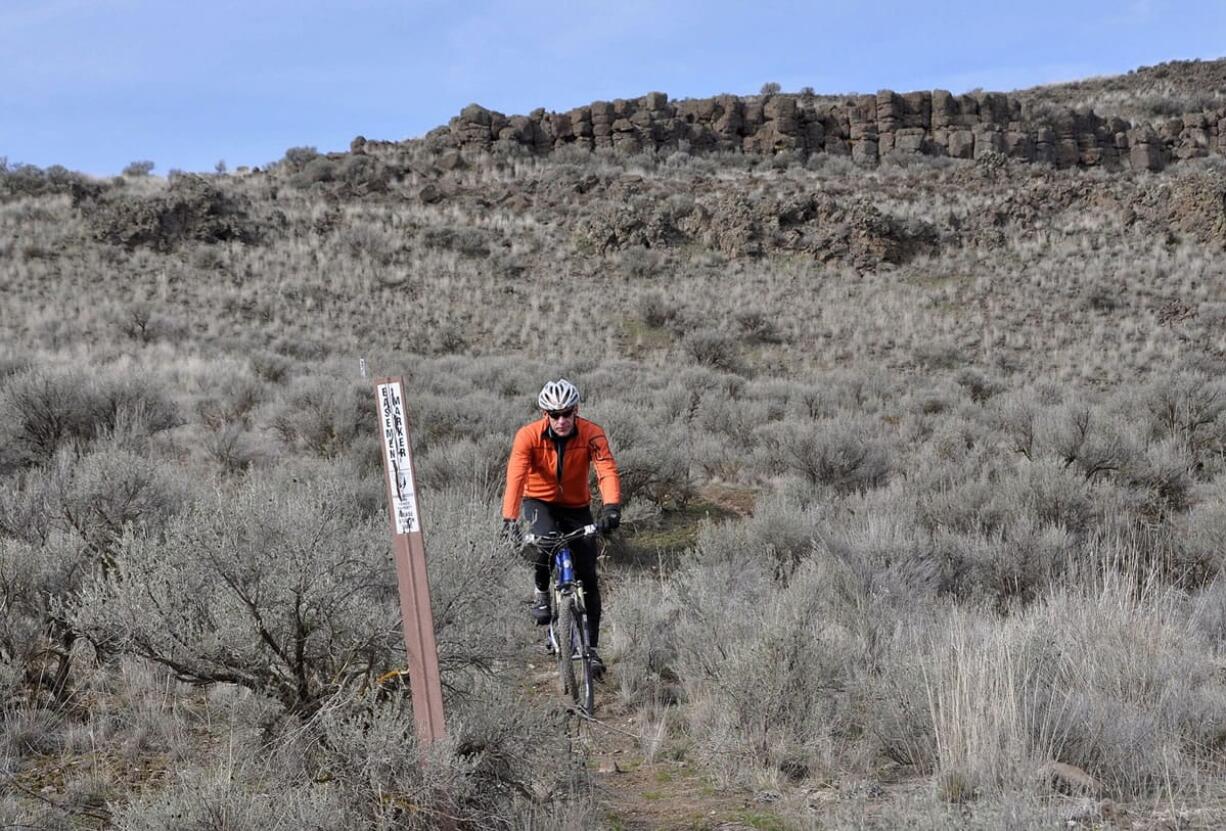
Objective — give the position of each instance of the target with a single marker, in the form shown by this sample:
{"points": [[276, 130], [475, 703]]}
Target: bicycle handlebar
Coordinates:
{"points": [[554, 540]]}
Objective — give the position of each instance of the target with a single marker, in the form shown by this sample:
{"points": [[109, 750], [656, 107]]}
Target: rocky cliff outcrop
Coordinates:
{"points": [[865, 128]]}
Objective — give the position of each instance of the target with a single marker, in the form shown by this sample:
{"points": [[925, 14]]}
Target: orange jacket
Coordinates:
{"points": [[533, 470]]}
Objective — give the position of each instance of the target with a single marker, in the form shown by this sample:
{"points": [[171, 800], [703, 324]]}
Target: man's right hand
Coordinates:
{"points": [[511, 533]]}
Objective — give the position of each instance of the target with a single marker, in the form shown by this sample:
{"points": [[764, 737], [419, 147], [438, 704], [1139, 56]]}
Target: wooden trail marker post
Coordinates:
{"points": [[409, 551]]}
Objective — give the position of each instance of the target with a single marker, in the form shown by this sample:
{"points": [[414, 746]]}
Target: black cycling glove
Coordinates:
{"points": [[610, 518]]}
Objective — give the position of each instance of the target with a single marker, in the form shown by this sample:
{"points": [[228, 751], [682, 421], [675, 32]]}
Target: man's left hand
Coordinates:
{"points": [[610, 518]]}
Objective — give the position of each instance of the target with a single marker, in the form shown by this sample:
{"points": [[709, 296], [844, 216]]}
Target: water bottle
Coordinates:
{"points": [[566, 567]]}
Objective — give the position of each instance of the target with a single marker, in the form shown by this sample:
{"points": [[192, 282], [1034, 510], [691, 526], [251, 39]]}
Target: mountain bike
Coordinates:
{"points": [[568, 632]]}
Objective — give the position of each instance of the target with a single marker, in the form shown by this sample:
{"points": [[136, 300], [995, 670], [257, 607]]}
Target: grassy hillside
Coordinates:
{"points": [[924, 464]]}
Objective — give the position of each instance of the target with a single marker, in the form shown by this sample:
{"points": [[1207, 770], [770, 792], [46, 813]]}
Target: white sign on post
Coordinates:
{"points": [[399, 469]]}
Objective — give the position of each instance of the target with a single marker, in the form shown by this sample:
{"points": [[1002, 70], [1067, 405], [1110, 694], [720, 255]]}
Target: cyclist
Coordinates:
{"points": [[548, 470]]}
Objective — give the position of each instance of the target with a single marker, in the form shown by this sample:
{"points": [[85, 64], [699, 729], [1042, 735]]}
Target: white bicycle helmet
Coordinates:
{"points": [[558, 395]]}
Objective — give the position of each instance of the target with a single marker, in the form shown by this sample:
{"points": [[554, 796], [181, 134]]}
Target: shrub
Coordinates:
{"points": [[470, 242], [199, 795], [192, 208], [358, 765], [757, 327], [42, 411], [284, 586], [298, 157], [979, 385], [641, 635], [476, 466], [836, 453], [1184, 407], [655, 309], [39, 412], [22, 180], [114, 490], [232, 447], [325, 415], [32, 578], [1111, 683], [765, 666], [1048, 493], [715, 349], [283, 591], [141, 322], [137, 170]]}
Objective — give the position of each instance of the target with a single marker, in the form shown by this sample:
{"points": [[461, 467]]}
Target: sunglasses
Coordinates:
{"points": [[556, 414]]}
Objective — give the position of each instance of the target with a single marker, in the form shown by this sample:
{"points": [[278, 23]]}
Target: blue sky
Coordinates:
{"points": [[95, 84]]}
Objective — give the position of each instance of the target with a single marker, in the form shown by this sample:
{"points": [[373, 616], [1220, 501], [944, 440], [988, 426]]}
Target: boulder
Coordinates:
{"points": [[697, 110], [558, 127], [993, 108], [911, 140], [988, 139], [864, 151], [814, 135], [944, 109], [451, 160], [475, 125], [1094, 150], [580, 120], [783, 112], [862, 118], [890, 111], [917, 110], [625, 138], [1045, 145], [1170, 129], [1067, 152], [1193, 143], [836, 123], [961, 144], [769, 140], [656, 102], [430, 193], [1019, 143], [1146, 149], [968, 110], [623, 108], [730, 125], [837, 146]]}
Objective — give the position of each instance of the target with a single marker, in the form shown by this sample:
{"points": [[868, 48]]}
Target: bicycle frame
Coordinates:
{"points": [[569, 614]]}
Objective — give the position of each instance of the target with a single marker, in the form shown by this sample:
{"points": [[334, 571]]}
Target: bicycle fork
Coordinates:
{"points": [[561, 596]]}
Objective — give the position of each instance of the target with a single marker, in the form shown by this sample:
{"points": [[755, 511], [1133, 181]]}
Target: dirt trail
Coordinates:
{"points": [[637, 792]]}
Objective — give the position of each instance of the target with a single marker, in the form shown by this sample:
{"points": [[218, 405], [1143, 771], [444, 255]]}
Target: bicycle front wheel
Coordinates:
{"points": [[567, 644]]}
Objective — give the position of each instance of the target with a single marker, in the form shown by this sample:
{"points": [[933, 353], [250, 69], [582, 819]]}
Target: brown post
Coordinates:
{"points": [[409, 551]]}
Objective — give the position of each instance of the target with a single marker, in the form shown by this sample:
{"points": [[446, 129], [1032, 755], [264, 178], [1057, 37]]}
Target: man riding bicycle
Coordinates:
{"points": [[548, 470]]}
